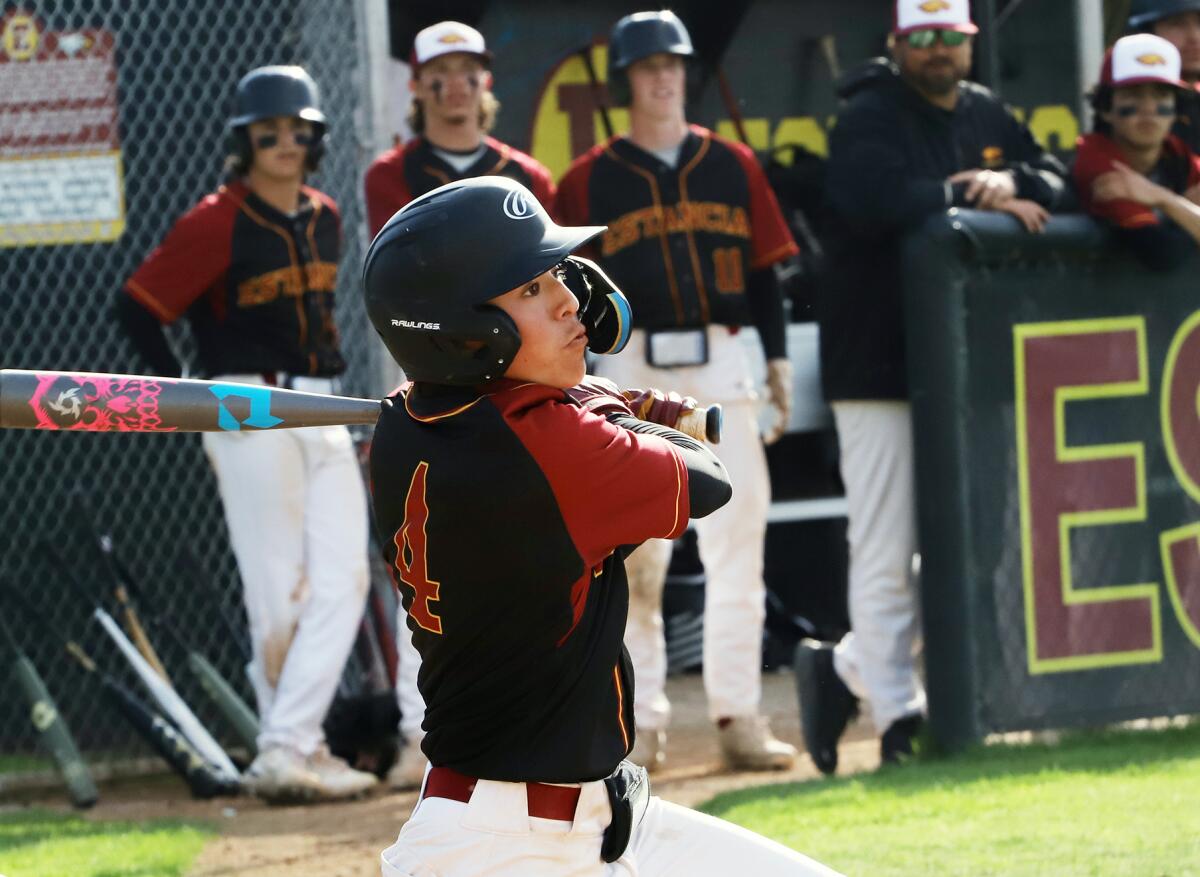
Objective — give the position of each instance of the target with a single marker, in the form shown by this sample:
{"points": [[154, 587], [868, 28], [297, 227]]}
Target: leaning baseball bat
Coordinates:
{"points": [[88, 402], [51, 729], [162, 693], [240, 717], [173, 748], [81, 511]]}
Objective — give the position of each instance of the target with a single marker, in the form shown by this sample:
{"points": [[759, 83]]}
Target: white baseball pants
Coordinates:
{"points": [[877, 659], [730, 540], [408, 696], [297, 516], [494, 834]]}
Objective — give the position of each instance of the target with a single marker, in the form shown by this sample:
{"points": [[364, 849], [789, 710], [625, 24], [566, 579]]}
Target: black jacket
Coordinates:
{"points": [[889, 156], [1187, 125]]}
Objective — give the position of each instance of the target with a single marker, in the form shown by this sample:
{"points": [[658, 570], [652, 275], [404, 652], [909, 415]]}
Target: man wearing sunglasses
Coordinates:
{"points": [[1178, 22], [1131, 171], [912, 140]]}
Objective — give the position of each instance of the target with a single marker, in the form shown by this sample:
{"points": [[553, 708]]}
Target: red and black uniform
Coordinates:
{"points": [[1156, 240], [410, 170], [683, 242], [503, 515], [256, 285]]}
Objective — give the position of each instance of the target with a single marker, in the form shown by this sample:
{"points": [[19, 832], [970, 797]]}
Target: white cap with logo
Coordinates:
{"points": [[929, 14], [446, 37], [1141, 58]]}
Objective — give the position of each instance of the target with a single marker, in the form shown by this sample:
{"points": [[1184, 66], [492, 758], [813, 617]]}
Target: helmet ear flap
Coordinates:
{"points": [[316, 149], [240, 151]]}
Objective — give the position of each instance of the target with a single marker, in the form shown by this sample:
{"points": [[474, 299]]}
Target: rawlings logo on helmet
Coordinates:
{"points": [[417, 324], [517, 206]]}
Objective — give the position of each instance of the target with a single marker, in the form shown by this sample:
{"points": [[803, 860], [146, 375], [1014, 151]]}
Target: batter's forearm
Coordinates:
{"points": [[708, 482]]}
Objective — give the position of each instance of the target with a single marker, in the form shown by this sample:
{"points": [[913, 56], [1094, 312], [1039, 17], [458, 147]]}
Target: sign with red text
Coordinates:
{"points": [[60, 157]]}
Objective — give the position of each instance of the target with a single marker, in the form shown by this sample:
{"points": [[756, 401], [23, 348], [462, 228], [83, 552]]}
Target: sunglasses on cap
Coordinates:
{"points": [[923, 39]]}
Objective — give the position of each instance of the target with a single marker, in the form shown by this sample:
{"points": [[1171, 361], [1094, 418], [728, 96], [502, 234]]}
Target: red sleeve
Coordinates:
{"points": [[571, 200], [1095, 156], [543, 184], [386, 189], [771, 239], [1194, 171], [192, 257], [614, 487]]}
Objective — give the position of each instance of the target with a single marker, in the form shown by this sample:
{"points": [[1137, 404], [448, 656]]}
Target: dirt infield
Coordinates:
{"points": [[344, 840]]}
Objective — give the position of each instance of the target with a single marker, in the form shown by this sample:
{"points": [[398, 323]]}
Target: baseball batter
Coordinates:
{"points": [[507, 491], [452, 110], [253, 267], [693, 233]]}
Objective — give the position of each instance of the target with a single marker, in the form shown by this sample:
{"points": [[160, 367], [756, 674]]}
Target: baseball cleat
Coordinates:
{"points": [[409, 770], [748, 744], [896, 744], [826, 704], [281, 775]]}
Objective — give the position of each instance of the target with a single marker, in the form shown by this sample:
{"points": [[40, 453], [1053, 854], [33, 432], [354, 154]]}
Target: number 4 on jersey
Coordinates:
{"points": [[411, 556]]}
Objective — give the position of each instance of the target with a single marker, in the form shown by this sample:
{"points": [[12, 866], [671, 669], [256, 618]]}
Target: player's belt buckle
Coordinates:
{"points": [[628, 794], [677, 348]]}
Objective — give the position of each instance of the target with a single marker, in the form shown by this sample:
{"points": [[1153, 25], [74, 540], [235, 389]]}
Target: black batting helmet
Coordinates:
{"points": [[638, 36], [1143, 13], [268, 92], [432, 268]]}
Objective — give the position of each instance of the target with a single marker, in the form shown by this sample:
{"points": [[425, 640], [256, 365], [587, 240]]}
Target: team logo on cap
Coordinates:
{"points": [[1151, 59], [932, 6], [517, 206], [450, 38]]}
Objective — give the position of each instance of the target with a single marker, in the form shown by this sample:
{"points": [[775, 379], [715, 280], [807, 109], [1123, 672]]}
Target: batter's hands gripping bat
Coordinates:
{"points": [[603, 397], [51, 729], [87, 402], [162, 693], [202, 780]]}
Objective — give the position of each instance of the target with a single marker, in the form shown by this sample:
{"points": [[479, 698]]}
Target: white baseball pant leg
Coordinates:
{"points": [[877, 659], [493, 834], [408, 696], [731, 540], [296, 510]]}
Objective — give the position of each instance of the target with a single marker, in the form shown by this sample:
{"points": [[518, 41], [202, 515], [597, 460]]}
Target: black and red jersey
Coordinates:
{"points": [[502, 517], [410, 170], [680, 240], [256, 284]]}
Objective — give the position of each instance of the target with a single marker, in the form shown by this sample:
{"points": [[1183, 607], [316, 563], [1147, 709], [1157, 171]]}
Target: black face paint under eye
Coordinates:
{"points": [[436, 87], [1128, 111], [304, 138], [266, 141]]}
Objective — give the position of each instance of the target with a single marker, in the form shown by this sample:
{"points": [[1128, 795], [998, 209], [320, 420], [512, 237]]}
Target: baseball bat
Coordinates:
{"points": [[241, 719], [81, 511], [170, 745], [91, 402], [51, 728], [163, 694]]}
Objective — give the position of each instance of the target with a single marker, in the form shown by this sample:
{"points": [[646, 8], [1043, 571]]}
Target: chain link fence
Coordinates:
{"points": [[112, 124]]}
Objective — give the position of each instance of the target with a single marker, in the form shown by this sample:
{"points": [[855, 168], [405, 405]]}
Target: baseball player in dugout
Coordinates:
{"points": [[693, 233], [912, 139], [1178, 22], [1131, 172], [452, 110], [508, 489], [253, 267]]}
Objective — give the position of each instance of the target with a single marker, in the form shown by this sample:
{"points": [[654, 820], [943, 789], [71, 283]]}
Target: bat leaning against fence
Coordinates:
{"points": [[241, 719], [51, 728], [172, 747], [88, 402], [162, 693]]}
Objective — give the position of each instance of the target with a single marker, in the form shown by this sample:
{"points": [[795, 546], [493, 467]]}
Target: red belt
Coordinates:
{"points": [[545, 802]]}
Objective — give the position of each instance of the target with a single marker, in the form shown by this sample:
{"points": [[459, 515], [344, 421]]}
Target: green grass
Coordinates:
{"points": [[37, 843], [24, 764], [1096, 805]]}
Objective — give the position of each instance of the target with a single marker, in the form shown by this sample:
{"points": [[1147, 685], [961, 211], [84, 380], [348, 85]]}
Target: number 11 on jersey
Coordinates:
{"points": [[412, 561]]}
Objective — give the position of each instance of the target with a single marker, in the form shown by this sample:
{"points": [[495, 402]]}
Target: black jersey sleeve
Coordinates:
{"points": [[765, 299]]}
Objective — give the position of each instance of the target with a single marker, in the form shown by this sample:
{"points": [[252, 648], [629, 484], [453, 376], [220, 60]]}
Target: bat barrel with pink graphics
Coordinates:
{"points": [[87, 402]]}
